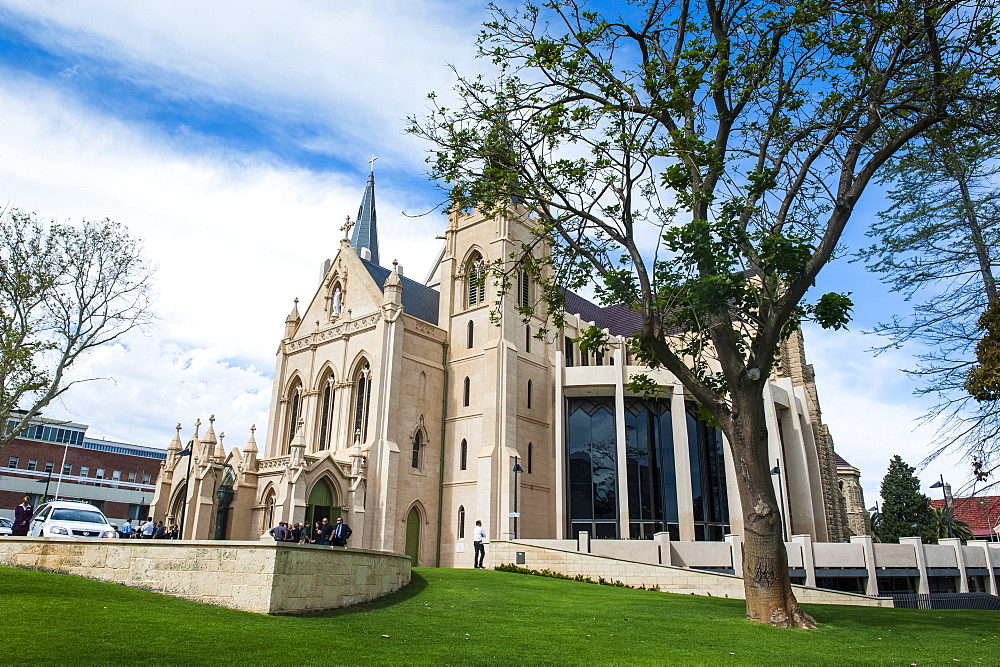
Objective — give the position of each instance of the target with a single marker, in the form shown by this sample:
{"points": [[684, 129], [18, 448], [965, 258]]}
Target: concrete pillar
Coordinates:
{"points": [[559, 447], [622, 467], [682, 465], [918, 548], [991, 580], [868, 547], [956, 544], [662, 541], [736, 553], [808, 559]]}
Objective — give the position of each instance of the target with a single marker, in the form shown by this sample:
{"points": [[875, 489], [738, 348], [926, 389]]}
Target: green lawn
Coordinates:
{"points": [[465, 616]]}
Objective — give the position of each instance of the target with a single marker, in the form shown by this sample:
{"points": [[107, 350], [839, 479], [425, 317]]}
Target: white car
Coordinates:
{"points": [[63, 518], [6, 526]]}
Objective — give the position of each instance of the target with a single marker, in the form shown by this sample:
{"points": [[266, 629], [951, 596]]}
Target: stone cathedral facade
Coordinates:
{"points": [[404, 408]]}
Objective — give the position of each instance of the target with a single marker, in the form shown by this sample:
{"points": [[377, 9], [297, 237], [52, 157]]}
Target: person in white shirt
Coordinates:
{"points": [[478, 537], [148, 529]]}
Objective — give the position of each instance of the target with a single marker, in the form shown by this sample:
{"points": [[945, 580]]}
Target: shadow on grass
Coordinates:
{"points": [[415, 587]]}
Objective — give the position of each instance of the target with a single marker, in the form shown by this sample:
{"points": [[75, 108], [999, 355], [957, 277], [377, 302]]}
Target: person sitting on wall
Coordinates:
{"points": [[22, 517], [126, 530], [341, 533], [160, 532], [149, 529]]}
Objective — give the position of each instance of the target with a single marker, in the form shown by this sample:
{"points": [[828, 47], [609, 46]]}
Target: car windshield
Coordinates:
{"points": [[85, 516], [6, 523]]}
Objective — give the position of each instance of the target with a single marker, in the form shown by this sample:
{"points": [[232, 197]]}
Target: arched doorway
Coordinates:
{"points": [[413, 536], [321, 504]]}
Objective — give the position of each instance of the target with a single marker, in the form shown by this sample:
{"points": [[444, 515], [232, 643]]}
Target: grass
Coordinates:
{"points": [[466, 616]]}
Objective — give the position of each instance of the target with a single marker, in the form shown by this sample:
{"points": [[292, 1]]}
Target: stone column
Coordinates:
{"points": [[559, 434], [682, 465], [808, 558], [918, 548], [622, 467], [868, 547], [736, 553], [956, 544]]}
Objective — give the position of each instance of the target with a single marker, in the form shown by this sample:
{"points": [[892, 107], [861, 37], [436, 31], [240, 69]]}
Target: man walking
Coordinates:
{"points": [[478, 537], [341, 533]]}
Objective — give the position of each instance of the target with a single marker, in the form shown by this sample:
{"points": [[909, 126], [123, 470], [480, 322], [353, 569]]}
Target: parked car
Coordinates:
{"points": [[6, 526], [64, 518]]}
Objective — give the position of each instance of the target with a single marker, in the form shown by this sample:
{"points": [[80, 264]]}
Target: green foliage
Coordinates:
{"points": [[905, 511], [64, 290], [983, 379], [474, 617], [959, 528]]}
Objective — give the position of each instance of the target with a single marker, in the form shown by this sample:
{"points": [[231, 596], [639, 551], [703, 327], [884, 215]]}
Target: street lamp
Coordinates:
{"points": [[188, 452], [517, 470], [776, 470], [46, 480], [947, 506]]}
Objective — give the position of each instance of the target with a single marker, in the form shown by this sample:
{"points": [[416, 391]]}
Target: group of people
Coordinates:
{"points": [[322, 532], [149, 530]]}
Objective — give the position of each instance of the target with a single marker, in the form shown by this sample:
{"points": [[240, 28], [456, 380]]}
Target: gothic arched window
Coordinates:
{"points": [[328, 394], [467, 392], [362, 400], [471, 335], [529, 394], [294, 405], [530, 456], [463, 457], [417, 444], [475, 280], [461, 522], [523, 289]]}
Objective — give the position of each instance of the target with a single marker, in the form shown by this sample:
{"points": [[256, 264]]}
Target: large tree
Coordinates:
{"points": [[64, 290], [905, 511], [698, 160], [938, 244]]}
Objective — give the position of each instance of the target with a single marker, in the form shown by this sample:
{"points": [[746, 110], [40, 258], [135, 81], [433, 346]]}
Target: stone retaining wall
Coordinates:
{"points": [[664, 577], [252, 576]]}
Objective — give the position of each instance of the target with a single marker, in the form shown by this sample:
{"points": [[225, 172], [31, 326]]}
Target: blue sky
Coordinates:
{"points": [[234, 138]]}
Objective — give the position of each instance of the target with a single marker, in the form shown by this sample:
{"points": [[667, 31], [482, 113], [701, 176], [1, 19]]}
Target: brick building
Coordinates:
{"points": [[56, 458]]}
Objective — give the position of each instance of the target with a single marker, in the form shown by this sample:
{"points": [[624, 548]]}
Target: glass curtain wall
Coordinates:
{"points": [[593, 467], [708, 478], [652, 482]]}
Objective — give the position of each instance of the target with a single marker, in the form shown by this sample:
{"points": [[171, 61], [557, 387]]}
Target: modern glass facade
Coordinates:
{"points": [[650, 469]]}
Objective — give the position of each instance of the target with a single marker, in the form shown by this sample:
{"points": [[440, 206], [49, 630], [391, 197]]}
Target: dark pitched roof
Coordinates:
{"points": [[617, 319], [982, 513], [365, 230], [841, 461], [419, 301]]}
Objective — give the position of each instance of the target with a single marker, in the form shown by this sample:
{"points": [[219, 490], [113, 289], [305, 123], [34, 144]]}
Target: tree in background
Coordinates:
{"points": [[959, 528], [64, 290], [698, 161], [905, 511], [939, 246]]}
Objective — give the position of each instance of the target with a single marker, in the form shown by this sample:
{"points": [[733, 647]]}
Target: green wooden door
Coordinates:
{"points": [[413, 536]]}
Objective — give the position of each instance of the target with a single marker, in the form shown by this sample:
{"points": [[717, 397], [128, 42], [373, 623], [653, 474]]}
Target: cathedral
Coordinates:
{"points": [[413, 409]]}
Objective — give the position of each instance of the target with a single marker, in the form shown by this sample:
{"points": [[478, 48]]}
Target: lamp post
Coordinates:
{"points": [[47, 480], [878, 513], [188, 452], [776, 470], [517, 471], [947, 506]]}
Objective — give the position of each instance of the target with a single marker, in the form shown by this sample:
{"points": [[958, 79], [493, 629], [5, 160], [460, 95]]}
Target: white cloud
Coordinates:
{"points": [[868, 404], [358, 67]]}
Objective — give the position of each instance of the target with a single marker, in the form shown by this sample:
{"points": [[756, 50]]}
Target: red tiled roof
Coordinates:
{"points": [[982, 513]]}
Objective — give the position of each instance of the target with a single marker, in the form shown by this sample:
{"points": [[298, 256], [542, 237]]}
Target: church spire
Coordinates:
{"points": [[365, 231]]}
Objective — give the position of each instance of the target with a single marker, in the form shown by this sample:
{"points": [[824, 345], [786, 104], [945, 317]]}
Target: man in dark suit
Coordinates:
{"points": [[341, 533]]}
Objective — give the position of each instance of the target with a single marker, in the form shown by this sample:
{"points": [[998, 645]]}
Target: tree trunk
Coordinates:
{"points": [[768, 588]]}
